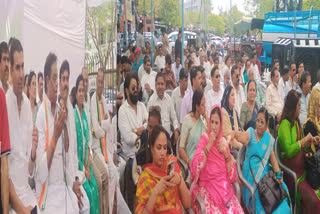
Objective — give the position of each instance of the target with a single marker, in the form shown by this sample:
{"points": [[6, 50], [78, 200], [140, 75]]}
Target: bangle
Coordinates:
{"points": [[53, 144], [148, 210]]}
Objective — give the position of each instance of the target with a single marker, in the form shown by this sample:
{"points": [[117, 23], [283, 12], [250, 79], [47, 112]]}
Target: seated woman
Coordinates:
{"points": [[213, 170], [312, 124], [231, 120], [193, 125], [292, 142], [83, 140], [260, 143], [249, 109], [159, 190]]}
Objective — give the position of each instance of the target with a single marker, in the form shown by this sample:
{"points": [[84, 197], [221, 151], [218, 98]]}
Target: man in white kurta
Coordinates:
{"points": [[52, 150], [20, 129], [72, 157], [102, 151]]}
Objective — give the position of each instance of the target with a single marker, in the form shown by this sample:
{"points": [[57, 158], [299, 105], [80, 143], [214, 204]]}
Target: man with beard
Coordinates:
{"points": [[133, 117], [54, 191], [4, 66], [169, 75], [235, 83], [72, 159], [163, 100]]}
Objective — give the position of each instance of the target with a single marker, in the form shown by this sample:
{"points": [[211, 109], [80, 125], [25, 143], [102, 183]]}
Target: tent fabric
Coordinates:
{"points": [[47, 26]]}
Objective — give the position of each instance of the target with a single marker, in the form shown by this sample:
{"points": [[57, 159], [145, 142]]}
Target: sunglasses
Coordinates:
{"points": [[217, 76]]}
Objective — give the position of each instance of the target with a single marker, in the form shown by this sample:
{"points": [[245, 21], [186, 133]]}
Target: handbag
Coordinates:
{"points": [[312, 166], [271, 193]]}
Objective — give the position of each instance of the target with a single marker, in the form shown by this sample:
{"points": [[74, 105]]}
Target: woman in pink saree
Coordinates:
{"points": [[213, 170]]}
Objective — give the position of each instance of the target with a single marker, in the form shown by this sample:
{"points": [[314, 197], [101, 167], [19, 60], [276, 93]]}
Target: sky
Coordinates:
{"points": [[225, 4]]}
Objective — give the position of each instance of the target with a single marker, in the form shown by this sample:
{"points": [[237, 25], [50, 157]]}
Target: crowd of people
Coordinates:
{"points": [[173, 143], [197, 116], [58, 146]]}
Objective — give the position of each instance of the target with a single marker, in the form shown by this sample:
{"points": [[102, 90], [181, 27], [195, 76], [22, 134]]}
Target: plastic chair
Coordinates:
{"points": [[288, 171], [240, 160], [187, 176], [183, 165]]}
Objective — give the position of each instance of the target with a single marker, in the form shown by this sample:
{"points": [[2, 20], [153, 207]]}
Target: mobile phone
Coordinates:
{"points": [[170, 168], [34, 210]]}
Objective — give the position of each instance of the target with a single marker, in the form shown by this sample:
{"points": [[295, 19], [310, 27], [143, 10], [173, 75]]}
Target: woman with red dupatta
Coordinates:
{"points": [[160, 190], [213, 170]]}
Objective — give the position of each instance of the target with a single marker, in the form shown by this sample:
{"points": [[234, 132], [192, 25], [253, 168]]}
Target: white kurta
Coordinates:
{"points": [[20, 129], [60, 197], [102, 131]]}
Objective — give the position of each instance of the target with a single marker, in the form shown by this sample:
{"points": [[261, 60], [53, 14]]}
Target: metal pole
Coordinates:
{"points": [[182, 29], [204, 18], [144, 21], [231, 26], [152, 36], [295, 17], [311, 8]]}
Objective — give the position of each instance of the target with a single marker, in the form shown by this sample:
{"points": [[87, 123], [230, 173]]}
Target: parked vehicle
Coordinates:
{"points": [[173, 36]]}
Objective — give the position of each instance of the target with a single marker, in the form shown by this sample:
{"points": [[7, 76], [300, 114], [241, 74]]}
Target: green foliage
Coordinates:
{"points": [[215, 23], [259, 7], [236, 16], [168, 11], [307, 4]]}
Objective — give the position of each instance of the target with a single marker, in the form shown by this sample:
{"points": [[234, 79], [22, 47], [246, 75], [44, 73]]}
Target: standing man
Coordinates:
{"points": [[255, 67], [86, 93], [304, 89], [165, 41], [178, 45], [176, 67], [40, 88], [53, 192], [198, 40], [71, 156], [179, 92], [4, 66], [21, 162], [140, 40]]}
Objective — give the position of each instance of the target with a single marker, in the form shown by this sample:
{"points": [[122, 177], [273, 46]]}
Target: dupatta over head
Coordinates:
{"points": [[213, 176]]}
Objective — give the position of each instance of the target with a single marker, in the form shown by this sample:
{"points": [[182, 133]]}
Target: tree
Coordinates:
{"points": [[259, 7], [101, 32], [215, 23], [168, 11], [307, 4], [236, 16]]}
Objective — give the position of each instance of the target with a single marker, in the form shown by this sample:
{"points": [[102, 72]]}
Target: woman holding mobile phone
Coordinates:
{"points": [[160, 190]]}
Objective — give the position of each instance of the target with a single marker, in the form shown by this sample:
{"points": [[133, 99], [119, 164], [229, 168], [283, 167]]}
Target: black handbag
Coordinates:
{"points": [[271, 193], [312, 167]]}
